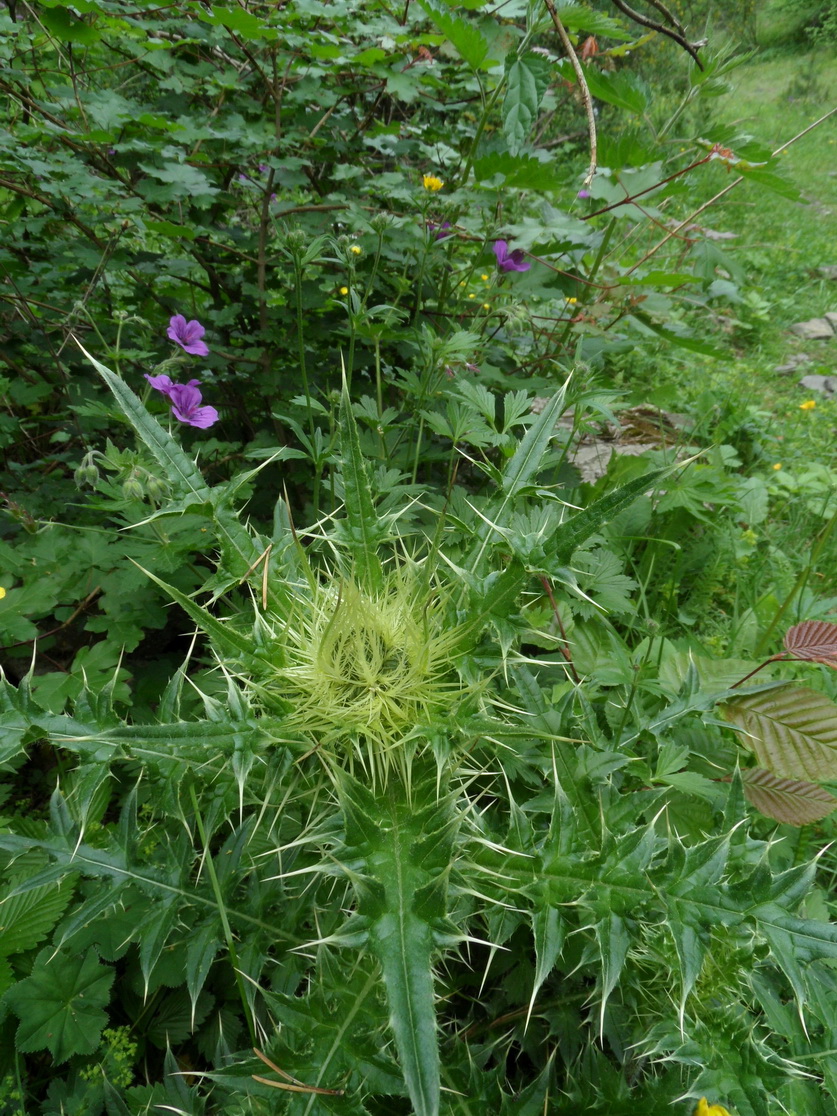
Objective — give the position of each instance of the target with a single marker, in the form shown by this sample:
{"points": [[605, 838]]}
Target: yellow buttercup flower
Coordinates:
{"points": [[483, 276], [778, 466], [808, 405], [355, 250], [2, 592], [704, 1108], [572, 301], [432, 183], [486, 306], [344, 290]]}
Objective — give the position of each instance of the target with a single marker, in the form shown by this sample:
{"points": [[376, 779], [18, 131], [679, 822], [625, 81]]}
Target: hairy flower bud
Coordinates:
{"points": [[155, 488], [296, 240], [132, 488], [86, 475]]}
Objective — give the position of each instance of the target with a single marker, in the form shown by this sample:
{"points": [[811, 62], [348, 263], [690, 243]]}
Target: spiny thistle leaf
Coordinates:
{"points": [[407, 854], [363, 531], [786, 800], [791, 730], [815, 641]]}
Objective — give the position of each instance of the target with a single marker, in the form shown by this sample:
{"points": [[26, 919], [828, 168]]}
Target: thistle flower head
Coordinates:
{"points": [[364, 669]]}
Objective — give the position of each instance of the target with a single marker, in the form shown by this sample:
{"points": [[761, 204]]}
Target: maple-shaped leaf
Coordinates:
{"points": [[61, 1005], [786, 800], [815, 641]]}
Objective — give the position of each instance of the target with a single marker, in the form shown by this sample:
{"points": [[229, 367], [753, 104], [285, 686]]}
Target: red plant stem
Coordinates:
{"points": [[761, 666], [565, 646]]}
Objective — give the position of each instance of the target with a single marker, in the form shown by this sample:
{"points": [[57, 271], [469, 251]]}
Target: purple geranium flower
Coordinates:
{"points": [[186, 406], [510, 261], [164, 383], [441, 231], [188, 335], [583, 194]]}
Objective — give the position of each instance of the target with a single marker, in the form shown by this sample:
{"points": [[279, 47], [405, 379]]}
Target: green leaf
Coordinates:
{"points": [[525, 172], [363, 529], [681, 340], [69, 28], [27, 917], [222, 634], [792, 731], [239, 20], [61, 1004], [548, 932], [465, 36], [576, 17], [179, 470], [771, 180], [527, 79], [613, 940], [407, 849], [579, 528]]}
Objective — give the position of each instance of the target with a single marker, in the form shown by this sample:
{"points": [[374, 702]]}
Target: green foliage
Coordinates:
{"points": [[363, 751]]}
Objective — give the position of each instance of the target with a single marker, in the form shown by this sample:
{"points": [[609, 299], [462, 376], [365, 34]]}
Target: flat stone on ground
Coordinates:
{"points": [[815, 329], [826, 384]]}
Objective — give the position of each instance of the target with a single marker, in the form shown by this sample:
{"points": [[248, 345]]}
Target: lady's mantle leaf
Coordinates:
{"points": [[60, 1004]]}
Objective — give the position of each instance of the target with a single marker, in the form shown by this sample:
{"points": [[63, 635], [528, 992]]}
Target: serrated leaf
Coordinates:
{"points": [[527, 79], [786, 800], [792, 731], [574, 532], [771, 180], [814, 641], [27, 917], [464, 35], [60, 1006]]}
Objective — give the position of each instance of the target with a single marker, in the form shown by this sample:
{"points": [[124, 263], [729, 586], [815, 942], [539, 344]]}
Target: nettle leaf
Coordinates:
{"points": [[465, 36], [792, 731], [786, 800], [527, 79], [61, 1004], [814, 641]]}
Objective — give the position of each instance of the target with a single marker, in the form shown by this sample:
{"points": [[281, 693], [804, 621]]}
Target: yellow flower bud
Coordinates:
{"points": [[704, 1108]]}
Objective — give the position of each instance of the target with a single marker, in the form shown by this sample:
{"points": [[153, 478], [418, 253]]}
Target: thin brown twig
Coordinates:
{"points": [[91, 596], [717, 197], [644, 21], [583, 88]]}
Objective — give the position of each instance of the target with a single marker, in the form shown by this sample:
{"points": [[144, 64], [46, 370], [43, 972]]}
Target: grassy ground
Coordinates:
{"points": [[779, 245]]}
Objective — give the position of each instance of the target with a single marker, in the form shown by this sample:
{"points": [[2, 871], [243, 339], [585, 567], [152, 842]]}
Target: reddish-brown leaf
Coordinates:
{"points": [[786, 800], [815, 641]]}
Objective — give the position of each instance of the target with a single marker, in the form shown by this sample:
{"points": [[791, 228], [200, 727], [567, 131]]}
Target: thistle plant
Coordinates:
{"points": [[415, 863]]}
